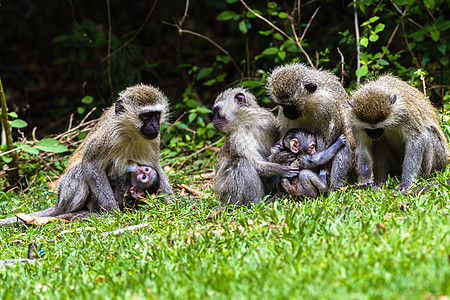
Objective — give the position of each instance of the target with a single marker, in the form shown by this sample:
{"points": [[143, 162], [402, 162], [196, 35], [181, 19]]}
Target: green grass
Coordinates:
{"points": [[355, 244]]}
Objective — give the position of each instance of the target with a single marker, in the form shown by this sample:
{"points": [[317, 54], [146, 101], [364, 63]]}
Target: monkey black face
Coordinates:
{"points": [[291, 111], [374, 133], [219, 120], [150, 124]]}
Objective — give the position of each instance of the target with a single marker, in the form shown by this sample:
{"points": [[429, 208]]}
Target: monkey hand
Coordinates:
{"points": [[288, 171], [136, 193], [342, 140], [283, 157], [277, 148]]}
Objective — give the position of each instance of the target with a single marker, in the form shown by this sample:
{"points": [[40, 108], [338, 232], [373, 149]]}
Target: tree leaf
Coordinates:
{"points": [[7, 159], [18, 123], [204, 72], [243, 27], [362, 71], [429, 3], [270, 51], [282, 54], [373, 37], [379, 27], [29, 149], [51, 145], [87, 99], [225, 15], [192, 117], [435, 35], [364, 41]]}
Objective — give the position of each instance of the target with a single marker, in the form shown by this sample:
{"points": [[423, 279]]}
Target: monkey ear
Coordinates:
{"points": [[294, 145], [350, 103], [119, 108], [239, 98], [393, 99], [310, 87]]}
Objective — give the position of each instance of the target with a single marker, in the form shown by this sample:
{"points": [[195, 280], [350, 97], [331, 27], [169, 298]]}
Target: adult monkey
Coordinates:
{"points": [[315, 100], [127, 131]]}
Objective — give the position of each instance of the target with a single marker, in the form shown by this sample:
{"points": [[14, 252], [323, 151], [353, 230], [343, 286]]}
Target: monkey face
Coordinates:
{"points": [[143, 177], [219, 121], [150, 124]]}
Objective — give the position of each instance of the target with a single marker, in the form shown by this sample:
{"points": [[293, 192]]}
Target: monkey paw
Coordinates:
{"points": [[288, 172], [342, 139]]}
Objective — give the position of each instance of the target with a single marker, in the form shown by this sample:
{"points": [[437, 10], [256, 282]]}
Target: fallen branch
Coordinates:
{"points": [[128, 228]]}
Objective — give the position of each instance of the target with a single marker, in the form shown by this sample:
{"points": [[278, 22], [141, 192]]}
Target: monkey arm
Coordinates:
{"points": [[321, 158], [412, 162], [282, 157], [265, 168], [364, 166], [99, 185], [164, 185]]}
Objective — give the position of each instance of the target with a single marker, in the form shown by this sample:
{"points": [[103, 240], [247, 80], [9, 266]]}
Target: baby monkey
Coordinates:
{"points": [[297, 149], [139, 180]]}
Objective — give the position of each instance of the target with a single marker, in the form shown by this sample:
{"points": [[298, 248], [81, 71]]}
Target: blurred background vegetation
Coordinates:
{"points": [[59, 58]]}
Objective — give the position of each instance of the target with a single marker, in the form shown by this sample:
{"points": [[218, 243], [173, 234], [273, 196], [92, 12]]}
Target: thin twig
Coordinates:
{"points": [[179, 25], [199, 151], [309, 23], [138, 31], [173, 124], [358, 50], [108, 11], [342, 65], [280, 31]]}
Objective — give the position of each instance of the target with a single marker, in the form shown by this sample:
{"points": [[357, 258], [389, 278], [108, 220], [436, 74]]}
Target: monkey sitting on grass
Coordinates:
{"points": [[243, 173], [396, 131], [127, 131], [139, 181], [297, 148]]}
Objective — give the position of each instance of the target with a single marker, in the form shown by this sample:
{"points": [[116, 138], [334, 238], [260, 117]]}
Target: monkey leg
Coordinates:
{"points": [[307, 184], [240, 184], [164, 185], [341, 166], [72, 192], [412, 163]]}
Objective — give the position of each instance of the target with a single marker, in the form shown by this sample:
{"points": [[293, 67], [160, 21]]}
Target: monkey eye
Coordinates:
{"points": [[310, 87], [239, 98], [147, 170]]}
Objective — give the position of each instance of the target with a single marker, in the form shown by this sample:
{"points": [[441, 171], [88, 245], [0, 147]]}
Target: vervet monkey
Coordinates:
{"points": [[315, 100], [297, 148], [243, 173], [126, 131], [397, 132]]}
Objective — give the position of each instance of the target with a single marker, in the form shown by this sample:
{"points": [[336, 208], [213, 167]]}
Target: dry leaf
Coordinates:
{"points": [[190, 190], [381, 227], [39, 221]]}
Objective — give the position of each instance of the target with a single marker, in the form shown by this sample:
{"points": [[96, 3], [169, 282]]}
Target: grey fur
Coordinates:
{"points": [[243, 173], [107, 151], [315, 100], [407, 139]]}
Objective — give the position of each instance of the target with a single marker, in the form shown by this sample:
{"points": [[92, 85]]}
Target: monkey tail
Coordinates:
{"points": [[49, 212]]}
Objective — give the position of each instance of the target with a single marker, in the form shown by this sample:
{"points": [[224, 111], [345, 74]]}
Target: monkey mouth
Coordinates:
{"points": [[291, 112], [374, 133]]}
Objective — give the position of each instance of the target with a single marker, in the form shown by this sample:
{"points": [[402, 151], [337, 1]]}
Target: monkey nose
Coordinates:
{"points": [[291, 112], [374, 133]]}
